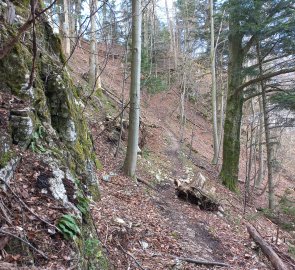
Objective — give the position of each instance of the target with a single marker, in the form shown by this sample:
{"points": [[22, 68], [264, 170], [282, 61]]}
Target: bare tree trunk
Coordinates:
{"points": [[125, 76], [66, 28], [182, 109], [94, 79], [267, 137], [213, 90], [173, 48], [78, 16], [133, 134], [146, 30], [221, 120], [72, 21], [260, 173], [59, 8], [250, 157]]}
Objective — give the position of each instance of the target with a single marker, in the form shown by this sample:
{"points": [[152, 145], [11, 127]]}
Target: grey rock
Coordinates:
{"points": [[90, 173], [7, 172], [56, 185], [5, 142], [9, 13], [22, 126], [70, 133]]}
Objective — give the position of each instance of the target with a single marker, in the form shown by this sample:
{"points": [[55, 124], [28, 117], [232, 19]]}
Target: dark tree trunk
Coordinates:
{"points": [[234, 109]]}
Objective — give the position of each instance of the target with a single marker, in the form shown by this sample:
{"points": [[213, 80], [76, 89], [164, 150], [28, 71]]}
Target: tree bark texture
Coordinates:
{"points": [[66, 28], [231, 140], [133, 134], [213, 89]]}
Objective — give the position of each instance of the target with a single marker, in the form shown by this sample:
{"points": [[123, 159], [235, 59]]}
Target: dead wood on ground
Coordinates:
{"points": [[196, 194], [276, 261]]}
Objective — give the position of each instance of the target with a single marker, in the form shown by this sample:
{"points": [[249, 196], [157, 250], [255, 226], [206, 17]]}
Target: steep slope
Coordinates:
{"points": [[145, 226]]}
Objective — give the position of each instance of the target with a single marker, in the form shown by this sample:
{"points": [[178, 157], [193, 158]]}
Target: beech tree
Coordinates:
{"points": [[213, 87], [133, 132]]}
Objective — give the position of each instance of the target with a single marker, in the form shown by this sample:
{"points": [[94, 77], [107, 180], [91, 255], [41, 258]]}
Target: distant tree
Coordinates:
{"points": [[66, 27], [94, 78]]}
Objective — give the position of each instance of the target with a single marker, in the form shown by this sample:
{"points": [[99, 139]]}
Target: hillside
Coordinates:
{"points": [[149, 221], [65, 201]]}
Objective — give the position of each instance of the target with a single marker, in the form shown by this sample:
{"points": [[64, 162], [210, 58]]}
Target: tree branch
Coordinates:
{"points": [[26, 242], [8, 46], [265, 77]]}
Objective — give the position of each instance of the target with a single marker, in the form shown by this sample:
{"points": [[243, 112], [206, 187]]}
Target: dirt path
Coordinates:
{"points": [[192, 234]]}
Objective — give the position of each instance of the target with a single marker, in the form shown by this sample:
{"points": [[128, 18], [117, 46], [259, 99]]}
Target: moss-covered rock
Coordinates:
{"points": [[23, 125], [53, 121], [14, 69]]}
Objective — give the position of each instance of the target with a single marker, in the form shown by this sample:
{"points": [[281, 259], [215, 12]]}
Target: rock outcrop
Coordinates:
{"points": [[44, 120]]}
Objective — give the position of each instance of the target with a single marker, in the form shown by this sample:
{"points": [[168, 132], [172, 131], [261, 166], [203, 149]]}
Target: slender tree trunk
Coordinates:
{"points": [[173, 47], [78, 17], [213, 90], [59, 9], [146, 30], [231, 139], [250, 157], [269, 154], [66, 28], [133, 134], [260, 173], [221, 120], [94, 79]]}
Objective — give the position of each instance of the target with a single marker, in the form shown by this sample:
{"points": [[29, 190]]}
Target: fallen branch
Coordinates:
{"points": [[286, 257], [112, 122], [195, 261], [130, 255], [266, 249], [26, 242], [201, 262], [8, 46], [27, 207], [145, 182]]}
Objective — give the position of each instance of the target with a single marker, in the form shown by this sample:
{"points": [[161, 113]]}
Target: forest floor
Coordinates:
{"points": [[148, 226]]}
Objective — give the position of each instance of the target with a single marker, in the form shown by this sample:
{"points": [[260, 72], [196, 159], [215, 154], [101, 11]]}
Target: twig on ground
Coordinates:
{"points": [[26, 242], [195, 261], [108, 124], [201, 262], [146, 183], [130, 255], [25, 205]]}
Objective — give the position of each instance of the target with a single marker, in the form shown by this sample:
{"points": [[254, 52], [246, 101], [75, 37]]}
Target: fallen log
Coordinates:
{"points": [[197, 193], [266, 249]]}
